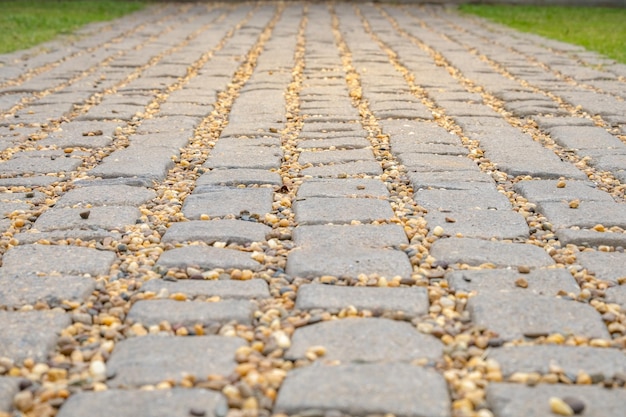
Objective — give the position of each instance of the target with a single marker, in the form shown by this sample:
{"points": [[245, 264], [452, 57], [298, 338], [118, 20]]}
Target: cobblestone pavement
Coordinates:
{"points": [[246, 209]]}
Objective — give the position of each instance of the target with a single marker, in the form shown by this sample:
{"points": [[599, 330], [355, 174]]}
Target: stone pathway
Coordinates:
{"points": [[254, 209]]}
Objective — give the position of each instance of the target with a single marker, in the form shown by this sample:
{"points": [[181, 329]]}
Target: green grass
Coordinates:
{"points": [[26, 23], [596, 28]]}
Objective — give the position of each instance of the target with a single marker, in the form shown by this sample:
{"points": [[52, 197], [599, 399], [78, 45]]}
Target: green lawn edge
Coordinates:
{"points": [[599, 29], [27, 23]]}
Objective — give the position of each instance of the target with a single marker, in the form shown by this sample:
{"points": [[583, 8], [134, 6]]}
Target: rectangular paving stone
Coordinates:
{"points": [[21, 165], [248, 157], [343, 187], [590, 238], [342, 169], [365, 340], [483, 224], [102, 217], [365, 389], [229, 231], [418, 132], [237, 176], [190, 313], [516, 400], [347, 262], [572, 359], [154, 358], [207, 257], [136, 161], [530, 314], [30, 334], [70, 260], [607, 266], [334, 156], [175, 402], [347, 142], [224, 201], [82, 134], [228, 289], [455, 200], [418, 162], [586, 215], [322, 210], [105, 195], [411, 301], [476, 252], [584, 137], [452, 180], [22, 289], [547, 191], [494, 281], [376, 236]]}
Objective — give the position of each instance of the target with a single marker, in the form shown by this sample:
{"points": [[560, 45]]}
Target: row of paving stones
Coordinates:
{"points": [[334, 155]]}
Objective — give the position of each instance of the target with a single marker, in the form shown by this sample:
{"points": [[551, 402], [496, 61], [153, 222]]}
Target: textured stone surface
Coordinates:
{"points": [[221, 202], [400, 389], [103, 217], [515, 400], [256, 288], [572, 359], [530, 314], [228, 231], [206, 257], [494, 281], [547, 191], [150, 359], [8, 388], [175, 402], [477, 252], [333, 187], [347, 262], [62, 259], [350, 235], [29, 288], [189, 313], [106, 195], [365, 340], [586, 215], [318, 210], [483, 224], [411, 302], [30, 334]]}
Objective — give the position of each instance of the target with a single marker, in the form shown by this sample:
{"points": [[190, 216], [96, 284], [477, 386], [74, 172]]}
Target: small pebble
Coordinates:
{"points": [[85, 214], [523, 269], [521, 282], [438, 231], [576, 404], [197, 412], [560, 407]]}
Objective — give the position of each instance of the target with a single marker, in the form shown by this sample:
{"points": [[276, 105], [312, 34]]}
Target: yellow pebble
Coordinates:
{"points": [[560, 407], [438, 231]]}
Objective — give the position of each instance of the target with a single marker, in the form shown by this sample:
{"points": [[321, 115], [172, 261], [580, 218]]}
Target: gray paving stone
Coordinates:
{"points": [[520, 314], [407, 144], [229, 231], [419, 162], [515, 400], [70, 260], [221, 202], [207, 257], [6, 208], [100, 217], [228, 289], [237, 176], [38, 165], [8, 388], [590, 238], [342, 169], [136, 161], [30, 334], [494, 281], [572, 359], [153, 358], [456, 200], [82, 134], [176, 402], [321, 210], [365, 340], [418, 132], [31, 181], [586, 215], [484, 224], [477, 252], [412, 301], [34, 236], [547, 191], [584, 137], [347, 262], [348, 142], [549, 122], [190, 313], [18, 290], [453, 180], [346, 187], [249, 157], [106, 195], [608, 266], [368, 235], [617, 295], [365, 389], [338, 156]]}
